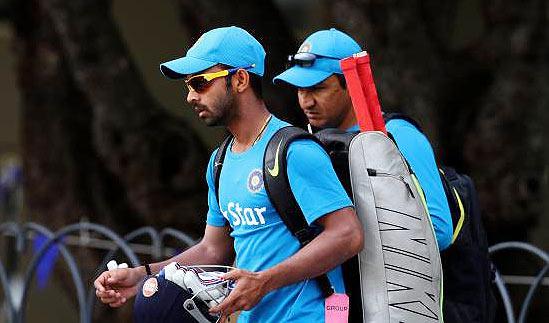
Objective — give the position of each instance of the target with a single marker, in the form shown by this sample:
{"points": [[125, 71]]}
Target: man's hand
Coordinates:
{"points": [[250, 289], [115, 287]]}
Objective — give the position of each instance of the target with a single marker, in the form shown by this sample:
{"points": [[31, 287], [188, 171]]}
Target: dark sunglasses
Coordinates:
{"points": [[304, 59], [301, 59], [201, 82]]}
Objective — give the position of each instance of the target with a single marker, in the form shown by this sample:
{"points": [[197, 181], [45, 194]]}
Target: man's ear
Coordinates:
{"points": [[241, 80]]}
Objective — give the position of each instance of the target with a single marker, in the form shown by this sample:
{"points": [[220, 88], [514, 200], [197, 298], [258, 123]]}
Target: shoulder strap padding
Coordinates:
{"points": [[277, 184], [448, 176], [218, 163], [280, 193]]}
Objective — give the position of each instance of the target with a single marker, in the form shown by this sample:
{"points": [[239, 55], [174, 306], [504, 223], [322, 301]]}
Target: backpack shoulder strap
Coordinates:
{"points": [[448, 176], [277, 183], [218, 163], [280, 193]]}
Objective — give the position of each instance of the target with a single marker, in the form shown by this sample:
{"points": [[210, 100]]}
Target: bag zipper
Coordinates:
{"points": [[375, 172]]}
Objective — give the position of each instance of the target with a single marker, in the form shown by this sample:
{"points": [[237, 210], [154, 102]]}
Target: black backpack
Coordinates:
{"points": [[468, 271]]}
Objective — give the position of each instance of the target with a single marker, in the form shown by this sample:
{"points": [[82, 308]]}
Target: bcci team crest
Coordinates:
{"points": [[255, 181]]}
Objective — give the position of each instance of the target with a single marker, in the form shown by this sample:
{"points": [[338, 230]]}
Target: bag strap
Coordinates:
{"points": [[457, 210], [218, 163], [280, 193]]}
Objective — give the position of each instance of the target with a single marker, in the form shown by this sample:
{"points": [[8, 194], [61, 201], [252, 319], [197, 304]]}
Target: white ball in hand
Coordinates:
{"points": [[111, 265]]}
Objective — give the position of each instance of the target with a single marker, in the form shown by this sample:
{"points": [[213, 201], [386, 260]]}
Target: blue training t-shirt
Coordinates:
{"points": [[261, 239], [417, 150]]}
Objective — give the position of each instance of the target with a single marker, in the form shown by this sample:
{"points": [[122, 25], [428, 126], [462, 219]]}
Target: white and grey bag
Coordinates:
{"points": [[400, 268]]}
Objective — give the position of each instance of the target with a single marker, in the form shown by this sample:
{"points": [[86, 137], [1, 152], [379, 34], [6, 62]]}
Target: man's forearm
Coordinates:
{"points": [[195, 255], [215, 248], [325, 252]]}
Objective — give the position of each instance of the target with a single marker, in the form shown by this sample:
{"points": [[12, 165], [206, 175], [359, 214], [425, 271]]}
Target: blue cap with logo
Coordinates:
{"points": [[328, 48], [232, 46]]}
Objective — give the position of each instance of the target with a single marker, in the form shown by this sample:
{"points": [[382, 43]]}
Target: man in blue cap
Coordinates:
{"points": [[222, 71], [323, 96]]}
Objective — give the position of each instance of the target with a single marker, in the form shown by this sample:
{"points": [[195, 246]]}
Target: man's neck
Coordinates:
{"points": [[349, 120], [248, 125]]}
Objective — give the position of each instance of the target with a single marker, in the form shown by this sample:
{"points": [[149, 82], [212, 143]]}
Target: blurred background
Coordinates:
{"points": [[90, 130]]}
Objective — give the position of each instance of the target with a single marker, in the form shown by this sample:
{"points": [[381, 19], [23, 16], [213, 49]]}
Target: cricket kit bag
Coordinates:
{"points": [[400, 266]]}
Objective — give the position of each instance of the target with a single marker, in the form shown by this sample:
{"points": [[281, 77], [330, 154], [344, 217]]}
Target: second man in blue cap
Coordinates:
{"points": [[323, 97]]}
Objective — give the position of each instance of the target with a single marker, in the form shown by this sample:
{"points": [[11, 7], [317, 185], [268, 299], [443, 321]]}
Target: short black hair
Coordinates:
{"points": [[341, 80], [256, 82]]}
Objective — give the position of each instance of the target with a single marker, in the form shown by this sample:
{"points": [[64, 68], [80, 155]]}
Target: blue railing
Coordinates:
{"points": [[86, 301], [79, 233], [534, 286]]}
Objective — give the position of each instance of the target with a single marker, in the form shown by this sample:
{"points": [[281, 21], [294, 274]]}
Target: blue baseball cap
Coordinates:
{"points": [[232, 46], [329, 46]]}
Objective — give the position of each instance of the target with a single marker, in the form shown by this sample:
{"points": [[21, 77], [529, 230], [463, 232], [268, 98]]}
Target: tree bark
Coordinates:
{"points": [[481, 101], [405, 50], [505, 148], [96, 143]]}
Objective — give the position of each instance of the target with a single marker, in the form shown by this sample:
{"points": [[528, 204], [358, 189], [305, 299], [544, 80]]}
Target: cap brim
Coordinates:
{"points": [[180, 67], [302, 76]]}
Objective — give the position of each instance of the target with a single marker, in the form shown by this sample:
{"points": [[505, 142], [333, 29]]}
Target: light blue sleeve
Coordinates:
{"points": [[214, 216], [314, 181], [418, 151]]}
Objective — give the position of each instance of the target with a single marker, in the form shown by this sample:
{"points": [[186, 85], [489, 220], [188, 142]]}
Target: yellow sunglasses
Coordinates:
{"points": [[200, 83]]}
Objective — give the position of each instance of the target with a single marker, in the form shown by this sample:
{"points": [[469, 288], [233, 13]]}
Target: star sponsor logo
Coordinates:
{"points": [[238, 214], [255, 181]]}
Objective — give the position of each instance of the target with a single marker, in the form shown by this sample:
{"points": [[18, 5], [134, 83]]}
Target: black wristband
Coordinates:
{"points": [[148, 269]]}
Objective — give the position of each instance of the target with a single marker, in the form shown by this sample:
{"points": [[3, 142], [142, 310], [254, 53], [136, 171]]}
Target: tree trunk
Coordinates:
{"points": [[482, 99], [505, 147], [406, 60], [96, 143]]}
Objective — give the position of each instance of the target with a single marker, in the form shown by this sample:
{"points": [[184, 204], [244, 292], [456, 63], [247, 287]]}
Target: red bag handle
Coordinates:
{"points": [[360, 82], [360, 105]]}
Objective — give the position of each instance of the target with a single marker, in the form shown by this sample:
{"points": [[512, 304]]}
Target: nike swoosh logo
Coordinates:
{"points": [[274, 170]]}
